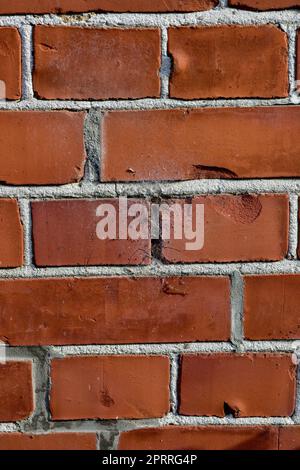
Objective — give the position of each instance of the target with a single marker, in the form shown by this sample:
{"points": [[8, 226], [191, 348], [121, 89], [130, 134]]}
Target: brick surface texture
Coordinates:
{"points": [[121, 342]]}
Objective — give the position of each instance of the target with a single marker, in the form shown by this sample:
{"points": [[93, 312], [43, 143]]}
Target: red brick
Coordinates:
{"points": [[16, 395], [40, 147], [109, 387], [77, 6], [289, 438], [11, 234], [201, 143], [10, 64], [64, 234], [78, 63], [200, 438], [229, 62], [272, 307], [57, 441], [114, 310], [264, 4], [242, 385], [236, 228]]}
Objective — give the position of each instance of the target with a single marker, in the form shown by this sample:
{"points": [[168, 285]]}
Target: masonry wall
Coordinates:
{"points": [[131, 344]]}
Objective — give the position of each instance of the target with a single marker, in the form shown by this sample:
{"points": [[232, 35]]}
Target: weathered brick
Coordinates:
{"points": [[201, 143], [106, 63], [229, 62], [10, 64], [11, 234], [78, 6], [264, 4], [40, 147], [200, 438], [16, 395], [64, 234], [272, 307], [241, 385], [109, 387], [114, 310], [55, 441], [236, 228], [289, 438]]}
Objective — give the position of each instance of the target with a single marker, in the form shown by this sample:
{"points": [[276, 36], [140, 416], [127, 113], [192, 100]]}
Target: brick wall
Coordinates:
{"points": [[189, 101]]}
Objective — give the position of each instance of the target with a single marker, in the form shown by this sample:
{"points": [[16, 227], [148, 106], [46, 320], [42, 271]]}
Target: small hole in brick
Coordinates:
{"points": [[231, 410]]}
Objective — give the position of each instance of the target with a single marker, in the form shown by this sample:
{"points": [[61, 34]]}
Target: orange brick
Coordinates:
{"points": [[16, 396], [41, 147], [55, 441], [229, 62], [106, 63], [10, 64], [200, 438], [289, 438], [11, 234], [64, 234], [272, 307], [114, 310], [109, 387], [241, 385], [193, 144], [78, 6], [264, 4], [236, 228]]}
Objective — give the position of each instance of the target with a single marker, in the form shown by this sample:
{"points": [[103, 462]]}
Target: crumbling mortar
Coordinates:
{"points": [[25, 215], [156, 269], [92, 138], [26, 32], [296, 415], [291, 30], [221, 15], [143, 104], [237, 305], [293, 226], [166, 64], [159, 189], [39, 420], [174, 382], [108, 440]]}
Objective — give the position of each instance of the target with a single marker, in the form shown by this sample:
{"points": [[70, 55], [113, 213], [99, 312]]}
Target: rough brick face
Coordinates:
{"points": [[77, 6], [64, 234], [239, 221], [264, 4], [229, 62], [38, 147], [106, 63], [11, 234], [201, 143], [57, 441], [240, 385], [10, 64], [289, 438], [109, 387], [272, 307], [15, 391], [114, 310], [200, 438]]}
